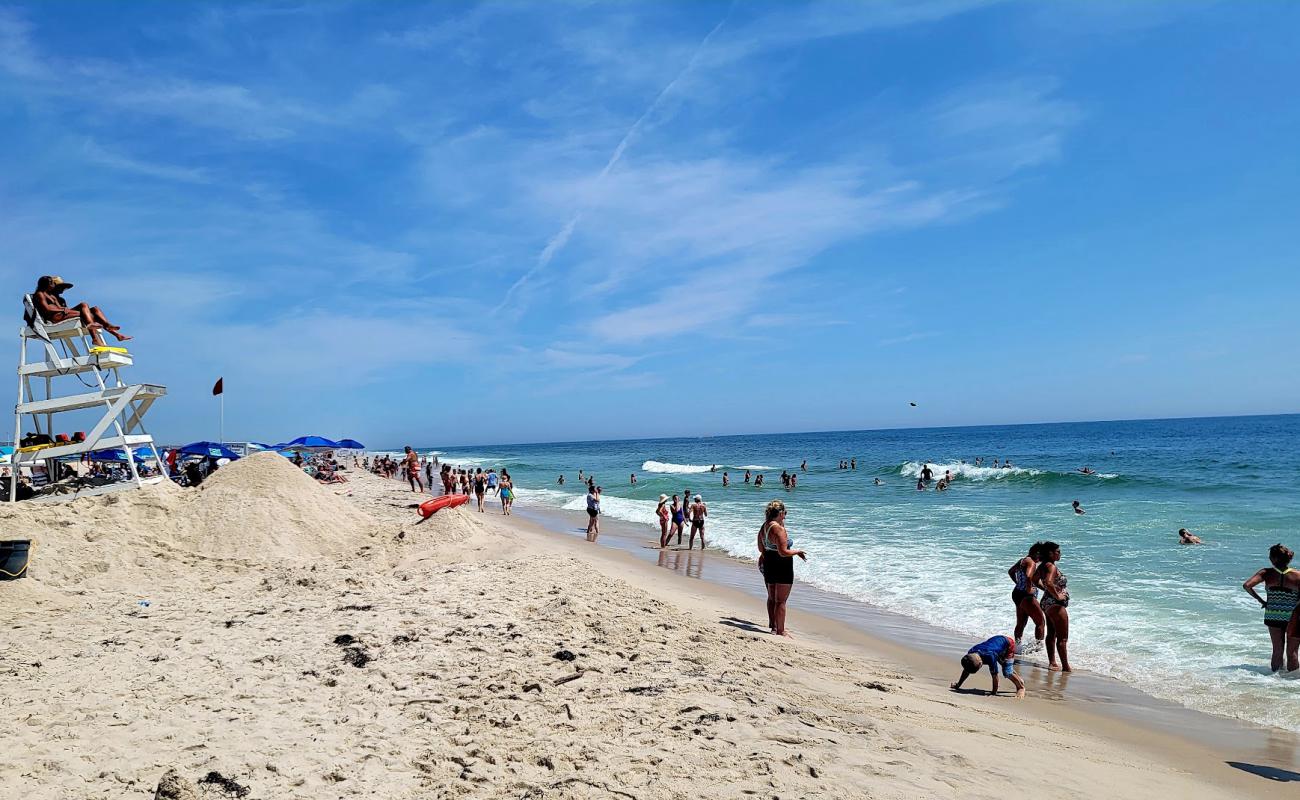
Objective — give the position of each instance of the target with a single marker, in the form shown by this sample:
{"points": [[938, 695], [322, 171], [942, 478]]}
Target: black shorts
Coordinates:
{"points": [[777, 569], [1020, 594], [591, 512]]}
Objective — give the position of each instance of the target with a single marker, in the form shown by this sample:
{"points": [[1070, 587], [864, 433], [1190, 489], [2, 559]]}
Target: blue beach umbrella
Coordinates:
{"points": [[351, 444], [118, 455], [207, 449], [310, 444]]}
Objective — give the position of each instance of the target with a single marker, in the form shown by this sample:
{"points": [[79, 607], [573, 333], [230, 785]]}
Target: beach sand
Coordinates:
{"points": [[300, 642]]}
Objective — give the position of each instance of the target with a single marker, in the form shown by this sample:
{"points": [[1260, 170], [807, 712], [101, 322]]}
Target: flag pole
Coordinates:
{"points": [[222, 429]]}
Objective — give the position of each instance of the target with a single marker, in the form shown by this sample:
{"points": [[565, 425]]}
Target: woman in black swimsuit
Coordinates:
{"points": [[776, 562], [1025, 596]]}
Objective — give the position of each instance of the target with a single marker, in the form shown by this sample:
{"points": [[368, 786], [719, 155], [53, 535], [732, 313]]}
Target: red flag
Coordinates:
{"points": [[217, 388]]}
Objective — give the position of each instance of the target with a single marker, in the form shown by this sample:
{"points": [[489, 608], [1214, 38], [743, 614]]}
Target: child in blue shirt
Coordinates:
{"points": [[998, 652]]}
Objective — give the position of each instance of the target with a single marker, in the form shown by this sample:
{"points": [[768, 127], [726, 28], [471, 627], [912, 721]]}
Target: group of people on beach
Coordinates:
{"points": [[1040, 593], [674, 515]]}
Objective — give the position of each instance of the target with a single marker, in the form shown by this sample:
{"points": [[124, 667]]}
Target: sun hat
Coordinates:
{"points": [[663, 497], [698, 498]]}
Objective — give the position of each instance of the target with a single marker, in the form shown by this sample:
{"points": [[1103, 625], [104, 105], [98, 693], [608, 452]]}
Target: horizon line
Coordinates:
{"points": [[863, 430]]}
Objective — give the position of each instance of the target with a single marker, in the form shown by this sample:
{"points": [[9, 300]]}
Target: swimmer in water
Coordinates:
{"points": [[1187, 537], [1078, 509], [878, 481], [1087, 471], [920, 484], [726, 480]]}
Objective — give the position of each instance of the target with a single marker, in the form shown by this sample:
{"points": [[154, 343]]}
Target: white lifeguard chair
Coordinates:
{"points": [[124, 404]]}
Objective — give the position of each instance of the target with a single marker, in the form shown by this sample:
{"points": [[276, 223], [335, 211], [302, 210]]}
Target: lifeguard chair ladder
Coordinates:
{"points": [[124, 404]]}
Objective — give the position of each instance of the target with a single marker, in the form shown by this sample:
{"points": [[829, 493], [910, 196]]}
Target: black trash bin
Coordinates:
{"points": [[14, 555]]}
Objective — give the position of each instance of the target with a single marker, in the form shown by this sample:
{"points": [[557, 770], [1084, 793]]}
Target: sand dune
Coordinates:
{"points": [[301, 644]]}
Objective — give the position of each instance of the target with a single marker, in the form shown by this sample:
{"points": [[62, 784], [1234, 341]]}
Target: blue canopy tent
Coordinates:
{"points": [[207, 449]]}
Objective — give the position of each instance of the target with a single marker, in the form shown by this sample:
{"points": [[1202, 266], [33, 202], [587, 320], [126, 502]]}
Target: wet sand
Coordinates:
{"points": [[931, 651]]}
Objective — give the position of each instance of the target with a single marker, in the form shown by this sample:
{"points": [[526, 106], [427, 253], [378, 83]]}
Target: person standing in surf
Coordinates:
{"points": [[662, 512], [1025, 597], [593, 513], [1056, 605], [1282, 584], [679, 519], [698, 512], [776, 562]]}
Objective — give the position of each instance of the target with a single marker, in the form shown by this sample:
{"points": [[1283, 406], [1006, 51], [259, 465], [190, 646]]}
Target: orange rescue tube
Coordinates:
{"points": [[430, 507]]}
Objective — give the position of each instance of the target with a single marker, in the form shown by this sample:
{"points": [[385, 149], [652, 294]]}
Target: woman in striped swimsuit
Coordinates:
{"points": [[1282, 584]]}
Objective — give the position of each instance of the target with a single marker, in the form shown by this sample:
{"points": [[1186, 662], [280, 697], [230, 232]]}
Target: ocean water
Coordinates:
{"points": [[1171, 620]]}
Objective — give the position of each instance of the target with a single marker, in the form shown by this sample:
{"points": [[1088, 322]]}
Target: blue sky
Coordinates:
{"points": [[452, 223]]}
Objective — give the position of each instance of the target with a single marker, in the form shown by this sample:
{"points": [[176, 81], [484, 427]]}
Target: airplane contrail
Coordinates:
{"points": [[561, 238]]}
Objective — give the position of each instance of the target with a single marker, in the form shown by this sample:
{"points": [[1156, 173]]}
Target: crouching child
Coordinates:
{"points": [[998, 653]]}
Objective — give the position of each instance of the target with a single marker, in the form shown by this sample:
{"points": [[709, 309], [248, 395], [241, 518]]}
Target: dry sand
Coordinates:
{"points": [[298, 643]]}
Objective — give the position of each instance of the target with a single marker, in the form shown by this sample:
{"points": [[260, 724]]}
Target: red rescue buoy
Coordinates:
{"points": [[430, 507]]}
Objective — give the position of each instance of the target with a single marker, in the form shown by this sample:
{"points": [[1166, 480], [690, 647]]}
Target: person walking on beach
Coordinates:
{"points": [[413, 470], [1024, 596], [492, 481], [662, 512], [1282, 584], [593, 513], [776, 562], [480, 488], [997, 652], [507, 493], [698, 512], [1055, 604]]}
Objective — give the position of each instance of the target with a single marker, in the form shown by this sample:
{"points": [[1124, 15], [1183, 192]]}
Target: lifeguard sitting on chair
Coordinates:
{"points": [[49, 303]]}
